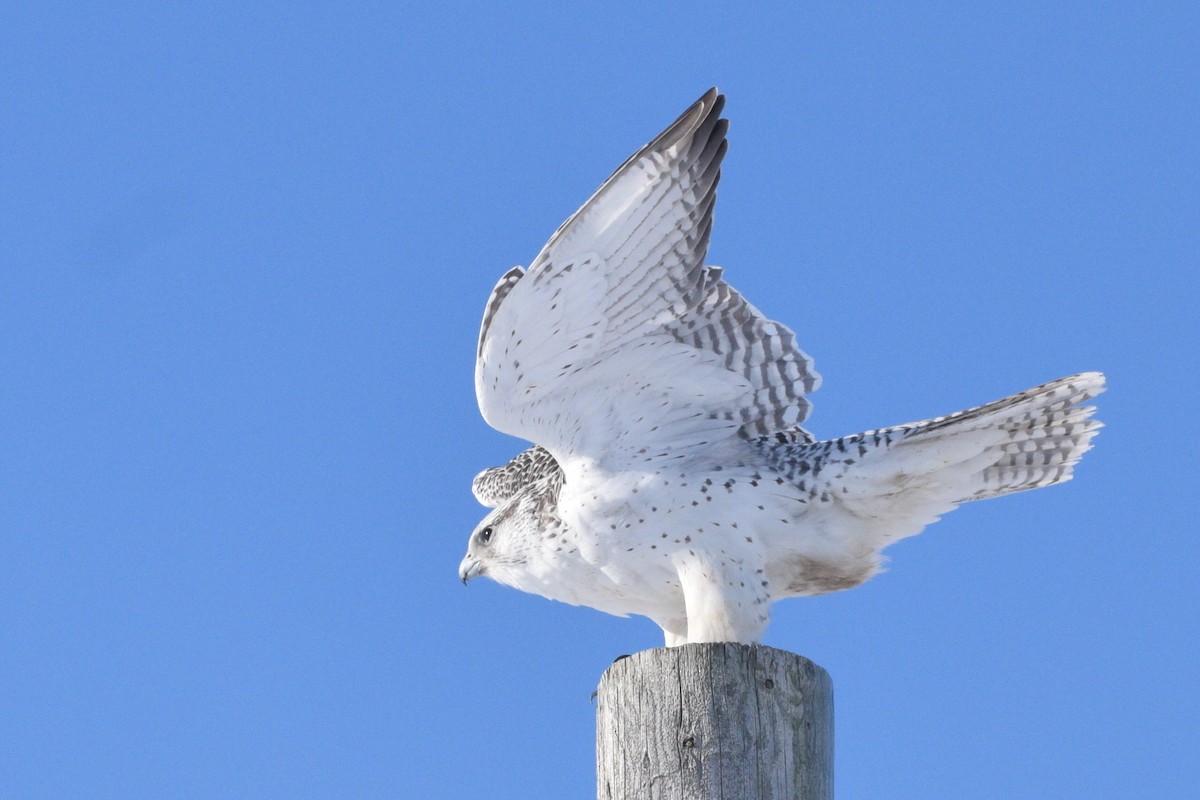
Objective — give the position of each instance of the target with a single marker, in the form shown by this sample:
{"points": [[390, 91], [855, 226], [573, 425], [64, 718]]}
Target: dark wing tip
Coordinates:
{"points": [[701, 121], [698, 121]]}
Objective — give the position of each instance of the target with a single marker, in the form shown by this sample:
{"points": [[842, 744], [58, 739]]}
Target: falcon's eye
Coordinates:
{"points": [[485, 535]]}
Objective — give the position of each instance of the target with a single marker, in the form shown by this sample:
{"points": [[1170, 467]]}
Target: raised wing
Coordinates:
{"points": [[618, 345]]}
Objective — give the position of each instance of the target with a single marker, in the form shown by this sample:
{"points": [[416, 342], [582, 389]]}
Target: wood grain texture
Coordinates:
{"points": [[714, 721]]}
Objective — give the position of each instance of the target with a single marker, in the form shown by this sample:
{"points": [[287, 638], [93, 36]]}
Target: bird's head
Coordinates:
{"points": [[503, 541]]}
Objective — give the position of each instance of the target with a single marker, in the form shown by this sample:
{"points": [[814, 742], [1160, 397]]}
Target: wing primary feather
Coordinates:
{"points": [[711, 126], [701, 116]]}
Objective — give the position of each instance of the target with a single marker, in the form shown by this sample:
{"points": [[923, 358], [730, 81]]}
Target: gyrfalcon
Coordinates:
{"points": [[670, 477]]}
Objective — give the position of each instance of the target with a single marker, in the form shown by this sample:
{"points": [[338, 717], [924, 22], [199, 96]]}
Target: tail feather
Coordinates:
{"points": [[1047, 431], [890, 483]]}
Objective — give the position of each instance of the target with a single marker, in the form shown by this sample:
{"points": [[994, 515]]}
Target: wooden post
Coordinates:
{"points": [[714, 722]]}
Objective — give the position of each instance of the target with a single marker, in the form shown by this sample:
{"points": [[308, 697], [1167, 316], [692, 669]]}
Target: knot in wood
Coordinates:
{"points": [[689, 742]]}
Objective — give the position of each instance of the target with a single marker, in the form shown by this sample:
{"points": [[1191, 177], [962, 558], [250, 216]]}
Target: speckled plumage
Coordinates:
{"points": [[671, 478]]}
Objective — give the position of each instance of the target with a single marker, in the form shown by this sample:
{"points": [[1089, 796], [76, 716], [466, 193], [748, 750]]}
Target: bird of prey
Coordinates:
{"points": [[670, 476]]}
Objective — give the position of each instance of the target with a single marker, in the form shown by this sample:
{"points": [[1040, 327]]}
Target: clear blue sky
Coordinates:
{"points": [[243, 255]]}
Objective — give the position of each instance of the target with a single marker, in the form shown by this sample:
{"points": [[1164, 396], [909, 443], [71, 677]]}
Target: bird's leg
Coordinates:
{"points": [[674, 631], [726, 600]]}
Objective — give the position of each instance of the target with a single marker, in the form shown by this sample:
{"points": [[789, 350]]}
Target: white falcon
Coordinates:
{"points": [[670, 477]]}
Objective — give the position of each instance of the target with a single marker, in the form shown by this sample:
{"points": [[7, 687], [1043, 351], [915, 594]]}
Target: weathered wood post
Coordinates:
{"points": [[714, 722]]}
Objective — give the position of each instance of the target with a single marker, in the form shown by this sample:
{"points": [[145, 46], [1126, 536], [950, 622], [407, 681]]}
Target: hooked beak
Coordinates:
{"points": [[469, 568]]}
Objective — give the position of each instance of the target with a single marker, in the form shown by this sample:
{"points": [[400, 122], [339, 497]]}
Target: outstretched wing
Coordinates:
{"points": [[617, 344]]}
